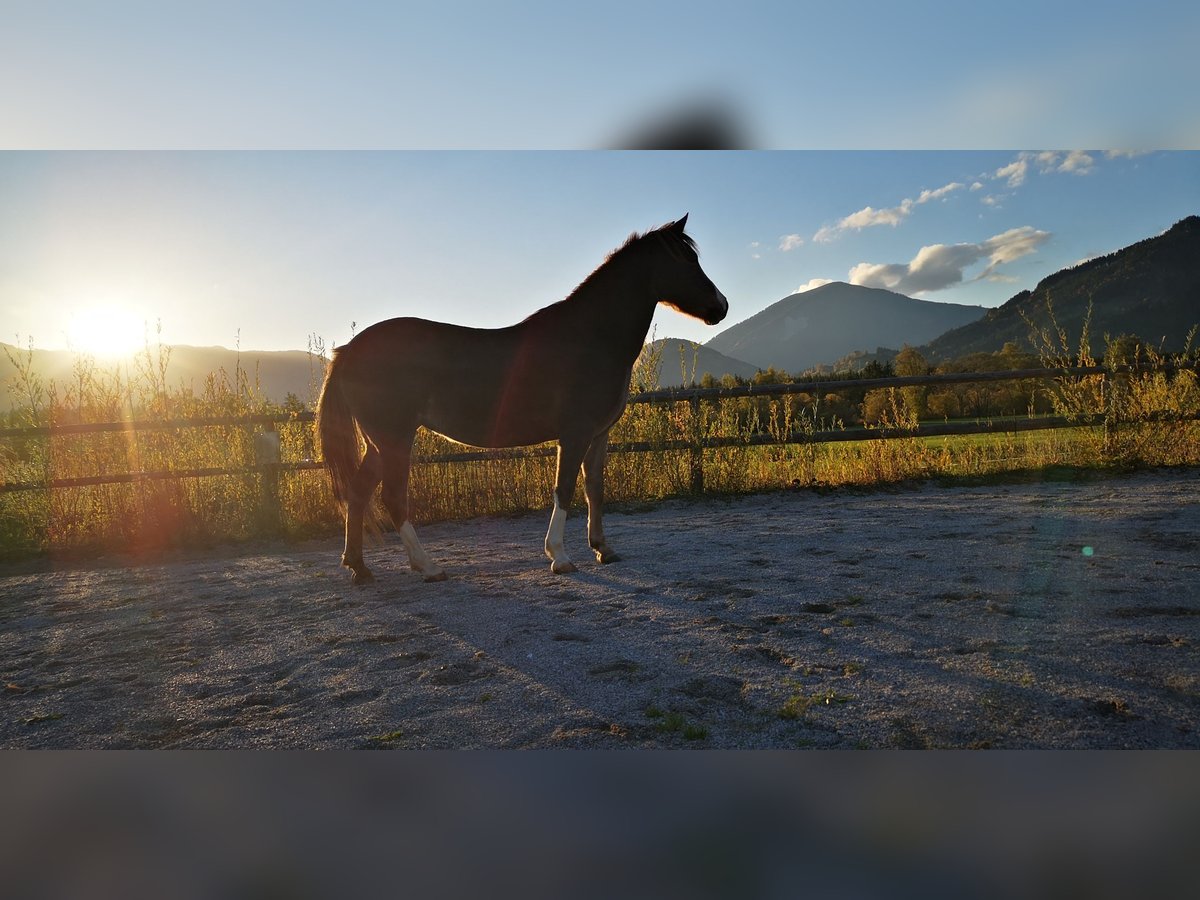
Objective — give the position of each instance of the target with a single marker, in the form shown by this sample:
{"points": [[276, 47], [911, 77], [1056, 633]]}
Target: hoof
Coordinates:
{"points": [[566, 567], [436, 576], [361, 576], [604, 556]]}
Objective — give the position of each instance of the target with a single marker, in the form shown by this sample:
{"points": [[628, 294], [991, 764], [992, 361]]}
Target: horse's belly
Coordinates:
{"points": [[482, 426], [493, 439], [516, 406]]}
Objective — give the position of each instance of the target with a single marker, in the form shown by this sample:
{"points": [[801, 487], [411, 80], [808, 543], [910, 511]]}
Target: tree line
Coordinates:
{"points": [[867, 406]]}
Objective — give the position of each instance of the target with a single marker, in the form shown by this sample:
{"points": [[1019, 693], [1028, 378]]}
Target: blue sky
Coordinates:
{"points": [[269, 247], [479, 74]]}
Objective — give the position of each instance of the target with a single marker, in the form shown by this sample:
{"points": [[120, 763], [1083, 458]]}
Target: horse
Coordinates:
{"points": [[560, 374]]}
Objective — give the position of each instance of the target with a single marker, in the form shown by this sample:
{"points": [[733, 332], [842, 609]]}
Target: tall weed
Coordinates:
{"points": [[1143, 414], [1135, 417]]}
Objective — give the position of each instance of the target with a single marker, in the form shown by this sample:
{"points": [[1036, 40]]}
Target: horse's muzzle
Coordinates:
{"points": [[718, 310]]}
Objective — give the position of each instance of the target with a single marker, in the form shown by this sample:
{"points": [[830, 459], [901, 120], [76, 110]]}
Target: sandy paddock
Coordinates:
{"points": [[1038, 614]]}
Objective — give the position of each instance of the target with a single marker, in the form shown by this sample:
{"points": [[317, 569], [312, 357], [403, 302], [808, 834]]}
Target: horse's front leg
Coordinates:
{"points": [[570, 455], [593, 487]]}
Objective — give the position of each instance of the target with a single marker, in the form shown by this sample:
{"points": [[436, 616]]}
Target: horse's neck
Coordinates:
{"points": [[617, 305]]}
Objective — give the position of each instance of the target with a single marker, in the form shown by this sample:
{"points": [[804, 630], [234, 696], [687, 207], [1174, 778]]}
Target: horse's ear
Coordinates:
{"points": [[678, 226]]}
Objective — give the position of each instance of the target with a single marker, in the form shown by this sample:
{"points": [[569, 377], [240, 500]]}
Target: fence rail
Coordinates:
{"points": [[270, 471], [664, 395]]}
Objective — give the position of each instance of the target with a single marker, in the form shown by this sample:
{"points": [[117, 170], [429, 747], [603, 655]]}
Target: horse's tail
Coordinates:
{"points": [[337, 431]]}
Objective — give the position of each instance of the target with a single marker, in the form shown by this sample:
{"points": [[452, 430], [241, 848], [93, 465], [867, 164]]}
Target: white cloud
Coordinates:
{"points": [[938, 193], [976, 185], [1012, 245], [991, 199], [869, 216], [1077, 162], [939, 266], [812, 283], [1124, 154], [881, 275], [1015, 171], [790, 242], [1047, 160]]}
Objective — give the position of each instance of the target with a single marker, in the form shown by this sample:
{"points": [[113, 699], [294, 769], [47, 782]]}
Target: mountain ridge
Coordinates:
{"points": [[682, 363], [1150, 288], [817, 327], [276, 372]]}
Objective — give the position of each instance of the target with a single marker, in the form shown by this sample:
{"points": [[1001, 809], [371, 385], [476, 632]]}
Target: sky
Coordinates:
{"points": [[254, 172], [534, 74], [263, 249]]}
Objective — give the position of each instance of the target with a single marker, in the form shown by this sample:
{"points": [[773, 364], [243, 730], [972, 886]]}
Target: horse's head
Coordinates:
{"points": [[678, 279]]}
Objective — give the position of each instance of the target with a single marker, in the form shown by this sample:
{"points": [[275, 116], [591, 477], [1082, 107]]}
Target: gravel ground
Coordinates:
{"points": [[1038, 614]]}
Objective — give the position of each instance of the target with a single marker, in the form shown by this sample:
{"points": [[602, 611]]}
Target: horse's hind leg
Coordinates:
{"points": [[593, 486], [362, 487], [396, 460]]}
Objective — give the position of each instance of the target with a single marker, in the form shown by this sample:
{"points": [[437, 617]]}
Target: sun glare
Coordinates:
{"points": [[106, 330]]}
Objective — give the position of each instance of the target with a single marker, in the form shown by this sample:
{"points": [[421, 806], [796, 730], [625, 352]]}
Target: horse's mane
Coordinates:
{"points": [[635, 242], [636, 238]]}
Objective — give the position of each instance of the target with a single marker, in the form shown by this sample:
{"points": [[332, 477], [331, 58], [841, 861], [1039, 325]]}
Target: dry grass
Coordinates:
{"points": [[1143, 421]]}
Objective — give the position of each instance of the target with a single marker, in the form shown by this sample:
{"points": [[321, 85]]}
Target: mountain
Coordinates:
{"points": [[822, 325], [278, 373], [1150, 289], [683, 362]]}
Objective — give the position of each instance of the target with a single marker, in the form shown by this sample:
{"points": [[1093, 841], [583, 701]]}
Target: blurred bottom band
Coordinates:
{"points": [[598, 825]]}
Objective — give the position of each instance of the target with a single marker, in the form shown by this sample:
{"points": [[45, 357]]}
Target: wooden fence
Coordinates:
{"points": [[269, 466]]}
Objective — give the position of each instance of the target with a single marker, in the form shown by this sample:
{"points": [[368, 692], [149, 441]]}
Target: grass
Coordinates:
{"points": [[675, 723], [39, 718], [799, 705], [387, 738], [1142, 421]]}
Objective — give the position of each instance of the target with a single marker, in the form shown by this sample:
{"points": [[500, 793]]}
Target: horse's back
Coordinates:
{"points": [[452, 379], [419, 352]]}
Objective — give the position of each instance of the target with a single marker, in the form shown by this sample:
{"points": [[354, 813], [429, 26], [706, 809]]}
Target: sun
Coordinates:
{"points": [[106, 330]]}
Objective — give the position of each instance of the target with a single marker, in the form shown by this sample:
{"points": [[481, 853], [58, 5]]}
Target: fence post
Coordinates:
{"points": [[697, 451], [267, 458], [1111, 421]]}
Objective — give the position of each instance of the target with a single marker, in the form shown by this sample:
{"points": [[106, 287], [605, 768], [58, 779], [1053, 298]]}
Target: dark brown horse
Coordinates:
{"points": [[561, 374]]}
